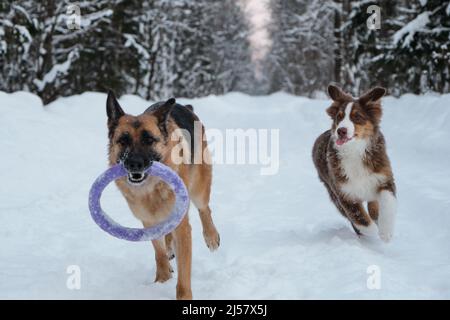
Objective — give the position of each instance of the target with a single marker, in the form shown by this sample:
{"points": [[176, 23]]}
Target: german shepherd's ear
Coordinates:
{"points": [[162, 114], [114, 112], [113, 109], [372, 95]]}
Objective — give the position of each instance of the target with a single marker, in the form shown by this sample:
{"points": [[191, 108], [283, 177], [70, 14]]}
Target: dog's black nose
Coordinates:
{"points": [[342, 132], [135, 164]]}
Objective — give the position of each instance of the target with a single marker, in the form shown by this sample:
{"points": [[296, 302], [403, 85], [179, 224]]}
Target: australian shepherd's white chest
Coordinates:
{"points": [[352, 163], [362, 183]]}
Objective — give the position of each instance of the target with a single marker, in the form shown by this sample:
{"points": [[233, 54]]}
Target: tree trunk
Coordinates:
{"points": [[337, 42]]}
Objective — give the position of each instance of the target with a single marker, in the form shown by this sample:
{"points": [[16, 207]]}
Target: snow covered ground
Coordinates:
{"points": [[281, 238]]}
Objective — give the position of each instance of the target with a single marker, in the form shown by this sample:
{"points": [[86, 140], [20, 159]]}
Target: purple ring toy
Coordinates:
{"points": [[135, 234]]}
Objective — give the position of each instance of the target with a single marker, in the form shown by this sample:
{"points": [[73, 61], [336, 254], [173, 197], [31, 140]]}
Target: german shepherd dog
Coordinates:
{"points": [[136, 141], [353, 165]]}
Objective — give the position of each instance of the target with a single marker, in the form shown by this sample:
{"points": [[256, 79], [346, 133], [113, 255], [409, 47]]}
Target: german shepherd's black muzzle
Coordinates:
{"points": [[136, 166], [137, 163]]}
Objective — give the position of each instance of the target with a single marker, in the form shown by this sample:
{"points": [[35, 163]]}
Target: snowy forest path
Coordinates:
{"points": [[281, 237]]}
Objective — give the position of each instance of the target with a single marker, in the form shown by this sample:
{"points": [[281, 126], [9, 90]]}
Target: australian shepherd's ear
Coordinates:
{"points": [[335, 93], [373, 95], [370, 101], [339, 97]]}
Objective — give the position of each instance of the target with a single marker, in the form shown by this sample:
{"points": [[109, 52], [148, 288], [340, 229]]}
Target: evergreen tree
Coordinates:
{"points": [[231, 52], [301, 57], [364, 47], [420, 53], [407, 54], [154, 48]]}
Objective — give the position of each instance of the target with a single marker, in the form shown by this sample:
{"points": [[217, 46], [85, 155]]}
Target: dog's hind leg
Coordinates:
{"points": [[163, 268], [183, 246]]}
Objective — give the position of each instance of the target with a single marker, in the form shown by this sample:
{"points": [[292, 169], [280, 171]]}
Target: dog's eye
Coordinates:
{"points": [[147, 138], [340, 116], [357, 117], [124, 140]]}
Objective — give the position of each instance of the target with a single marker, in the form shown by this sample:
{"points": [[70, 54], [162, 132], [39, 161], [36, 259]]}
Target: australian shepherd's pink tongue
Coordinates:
{"points": [[341, 141]]}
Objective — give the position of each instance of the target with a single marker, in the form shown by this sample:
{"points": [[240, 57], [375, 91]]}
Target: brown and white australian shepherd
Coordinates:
{"points": [[353, 165]]}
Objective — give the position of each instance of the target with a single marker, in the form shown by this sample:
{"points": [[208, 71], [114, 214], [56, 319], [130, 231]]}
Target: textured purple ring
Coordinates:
{"points": [[157, 231]]}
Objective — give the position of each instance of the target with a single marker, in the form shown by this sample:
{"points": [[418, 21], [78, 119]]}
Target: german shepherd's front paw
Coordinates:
{"points": [[212, 239]]}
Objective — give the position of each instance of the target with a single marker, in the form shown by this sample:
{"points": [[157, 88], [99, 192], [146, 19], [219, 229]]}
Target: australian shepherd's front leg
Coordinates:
{"points": [[361, 221]]}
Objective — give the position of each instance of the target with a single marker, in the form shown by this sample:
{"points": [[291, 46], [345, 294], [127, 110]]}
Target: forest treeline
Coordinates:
{"points": [[187, 48]]}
